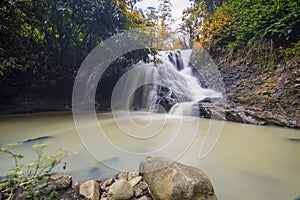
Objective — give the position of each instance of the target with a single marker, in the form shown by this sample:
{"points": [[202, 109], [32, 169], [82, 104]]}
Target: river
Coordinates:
{"points": [[248, 162]]}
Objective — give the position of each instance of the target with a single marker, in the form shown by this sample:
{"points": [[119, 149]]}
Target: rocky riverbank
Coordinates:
{"points": [[158, 178], [255, 95], [264, 96], [245, 114]]}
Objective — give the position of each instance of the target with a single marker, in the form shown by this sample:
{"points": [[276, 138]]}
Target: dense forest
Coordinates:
{"points": [[268, 31], [48, 40]]}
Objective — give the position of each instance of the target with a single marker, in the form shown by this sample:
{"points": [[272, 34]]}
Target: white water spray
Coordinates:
{"points": [[148, 87]]}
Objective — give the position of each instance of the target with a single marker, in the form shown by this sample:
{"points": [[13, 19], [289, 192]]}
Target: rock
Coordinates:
{"points": [[141, 189], [257, 116], [76, 187], [143, 185], [210, 100], [135, 180], [37, 139], [59, 181], [120, 190], [298, 198], [132, 175], [205, 110], [137, 191], [143, 198], [19, 195], [106, 183], [104, 195], [294, 139], [123, 176], [170, 180], [90, 190]]}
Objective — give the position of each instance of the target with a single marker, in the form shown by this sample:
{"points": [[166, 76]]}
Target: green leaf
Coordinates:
{"points": [[14, 145], [39, 146]]}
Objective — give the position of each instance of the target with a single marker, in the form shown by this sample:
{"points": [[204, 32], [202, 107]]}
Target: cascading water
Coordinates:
{"points": [[165, 86]]}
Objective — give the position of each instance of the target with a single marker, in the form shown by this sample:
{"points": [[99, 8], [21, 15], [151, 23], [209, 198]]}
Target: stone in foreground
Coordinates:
{"points": [[120, 190], [90, 190], [170, 180]]}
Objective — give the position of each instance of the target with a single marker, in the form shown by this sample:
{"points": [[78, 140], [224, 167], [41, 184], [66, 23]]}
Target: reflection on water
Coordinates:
{"points": [[248, 162]]}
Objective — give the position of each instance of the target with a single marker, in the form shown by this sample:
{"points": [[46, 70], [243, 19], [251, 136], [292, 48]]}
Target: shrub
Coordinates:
{"points": [[29, 178]]}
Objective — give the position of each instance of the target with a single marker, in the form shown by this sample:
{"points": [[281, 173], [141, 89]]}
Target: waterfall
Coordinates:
{"points": [[167, 86]]}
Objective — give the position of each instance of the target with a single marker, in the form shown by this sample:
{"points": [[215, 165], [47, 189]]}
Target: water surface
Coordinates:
{"points": [[248, 162]]}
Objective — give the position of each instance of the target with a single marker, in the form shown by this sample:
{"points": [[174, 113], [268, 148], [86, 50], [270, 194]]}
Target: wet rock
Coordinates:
{"points": [[76, 188], [209, 100], [120, 190], [205, 110], [94, 171], [245, 114], [37, 139], [170, 180], [257, 116], [274, 92], [166, 99], [298, 198], [294, 139], [166, 103], [242, 117], [90, 190]]}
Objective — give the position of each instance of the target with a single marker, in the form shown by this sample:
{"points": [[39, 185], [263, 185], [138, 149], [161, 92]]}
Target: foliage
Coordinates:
{"points": [[133, 17], [32, 177], [254, 31], [291, 52], [211, 5], [192, 22], [49, 36], [218, 29], [277, 20], [159, 20]]}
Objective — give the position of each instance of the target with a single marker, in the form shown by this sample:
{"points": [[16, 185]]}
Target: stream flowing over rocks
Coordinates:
{"points": [[254, 95], [158, 178]]}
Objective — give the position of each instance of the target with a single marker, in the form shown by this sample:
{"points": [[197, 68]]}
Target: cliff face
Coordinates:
{"points": [[276, 91]]}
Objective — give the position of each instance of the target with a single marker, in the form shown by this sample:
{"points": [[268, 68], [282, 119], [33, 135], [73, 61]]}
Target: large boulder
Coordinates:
{"points": [[170, 180]]}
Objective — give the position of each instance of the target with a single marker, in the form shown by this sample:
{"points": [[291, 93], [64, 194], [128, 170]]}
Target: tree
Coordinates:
{"points": [[260, 31], [165, 22], [211, 5], [192, 22], [131, 4], [160, 21], [44, 36]]}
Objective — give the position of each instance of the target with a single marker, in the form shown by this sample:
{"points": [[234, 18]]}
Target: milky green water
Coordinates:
{"points": [[248, 162]]}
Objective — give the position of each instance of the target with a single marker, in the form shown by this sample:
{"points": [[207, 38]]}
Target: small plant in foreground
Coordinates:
{"points": [[29, 179]]}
